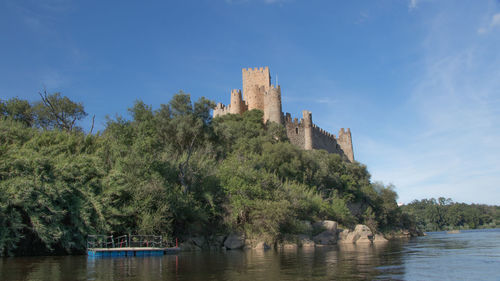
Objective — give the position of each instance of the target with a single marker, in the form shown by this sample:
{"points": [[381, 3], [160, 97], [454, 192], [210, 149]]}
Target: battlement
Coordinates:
{"points": [[272, 90], [220, 109], [345, 142], [256, 69], [295, 121], [220, 106], [324, 132], [235, 92]]}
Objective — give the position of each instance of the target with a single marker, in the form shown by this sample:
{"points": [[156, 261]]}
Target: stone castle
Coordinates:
{"points": [[259, 93]]}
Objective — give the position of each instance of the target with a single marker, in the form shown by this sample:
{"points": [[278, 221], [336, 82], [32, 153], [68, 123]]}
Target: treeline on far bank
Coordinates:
{"points": [[444, 214], [173, 171]]}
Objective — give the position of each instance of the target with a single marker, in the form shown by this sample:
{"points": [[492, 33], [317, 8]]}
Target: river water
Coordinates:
{"points": [[469, 255]]}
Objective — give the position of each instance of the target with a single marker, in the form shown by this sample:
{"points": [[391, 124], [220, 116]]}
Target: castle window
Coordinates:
{"points": [[297, 131]]}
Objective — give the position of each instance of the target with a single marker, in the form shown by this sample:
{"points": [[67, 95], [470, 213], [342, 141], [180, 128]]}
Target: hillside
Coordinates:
{"points": [[173, 171]]}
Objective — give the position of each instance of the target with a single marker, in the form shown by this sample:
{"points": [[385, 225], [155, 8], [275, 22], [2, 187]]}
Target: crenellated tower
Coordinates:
{"points": [[345, 142], [308, 132], [237, 105], [272, 105], [256, 82]]}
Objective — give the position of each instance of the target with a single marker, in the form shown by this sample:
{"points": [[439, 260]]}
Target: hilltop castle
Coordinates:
{"points": [[259, 93]]}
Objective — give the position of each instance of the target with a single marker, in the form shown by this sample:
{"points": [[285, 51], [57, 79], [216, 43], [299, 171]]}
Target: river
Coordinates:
{"points": [[469, 255]]}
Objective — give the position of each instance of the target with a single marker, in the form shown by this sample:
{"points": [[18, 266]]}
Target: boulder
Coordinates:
{"points": [[365, 235], [326, 237], [235, 241], [249, 243], [342, 234], [364, 239], [360, 234], [348, 237], [289, 246], [198, 241], [256, 244], [305, 241], [363, 229], [379, 238], [326, 225], [217, 240]]}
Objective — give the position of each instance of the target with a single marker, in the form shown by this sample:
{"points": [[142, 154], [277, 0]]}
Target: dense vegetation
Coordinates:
{"points": [[444, 214], [171, 171]]}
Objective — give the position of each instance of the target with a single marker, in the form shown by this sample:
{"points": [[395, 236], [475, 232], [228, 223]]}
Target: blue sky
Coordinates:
{"points": [[417, 81]]}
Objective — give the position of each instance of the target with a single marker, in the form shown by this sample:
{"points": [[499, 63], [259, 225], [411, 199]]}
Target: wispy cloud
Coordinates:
{"points": [[363, 16], [495, 20], [41, 16], [493, 23], [52, 79], [413, 4], [452, 147]]}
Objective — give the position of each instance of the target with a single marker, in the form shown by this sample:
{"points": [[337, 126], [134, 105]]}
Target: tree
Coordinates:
{"points": [[18, 110], [189, 126], [58, 112]]}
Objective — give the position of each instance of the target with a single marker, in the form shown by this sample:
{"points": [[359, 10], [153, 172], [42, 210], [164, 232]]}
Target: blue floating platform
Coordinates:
{"points": [[130, 252]]}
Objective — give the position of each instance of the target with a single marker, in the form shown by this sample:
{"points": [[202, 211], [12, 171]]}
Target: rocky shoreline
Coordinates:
{"points": [[318, 234]]}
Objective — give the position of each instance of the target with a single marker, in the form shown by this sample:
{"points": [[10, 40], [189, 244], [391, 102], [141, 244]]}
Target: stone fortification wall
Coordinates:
{"points": [[220, 110], [324, 140], [253, 81], [295, 130]]}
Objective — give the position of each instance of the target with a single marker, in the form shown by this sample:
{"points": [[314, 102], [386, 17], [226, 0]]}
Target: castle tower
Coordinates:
{"points": [[272, 102], [237, 105], [254, 97], [345, 142], [259, 77], [308, 134]]}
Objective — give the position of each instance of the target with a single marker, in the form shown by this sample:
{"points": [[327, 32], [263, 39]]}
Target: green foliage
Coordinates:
{"points": [[49, 187], [171, 171], [444, 214], [18, 110], [58, 112], [54, 111]]}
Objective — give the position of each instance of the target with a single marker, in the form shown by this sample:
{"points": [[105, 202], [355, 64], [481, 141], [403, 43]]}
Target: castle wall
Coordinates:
{"points": [[324, 140], [252, 77], [220, 110], [295, 131]]}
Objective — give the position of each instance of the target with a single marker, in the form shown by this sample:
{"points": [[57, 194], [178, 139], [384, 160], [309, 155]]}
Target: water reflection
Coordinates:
{"points": [[326, 263], [439, 256]]}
